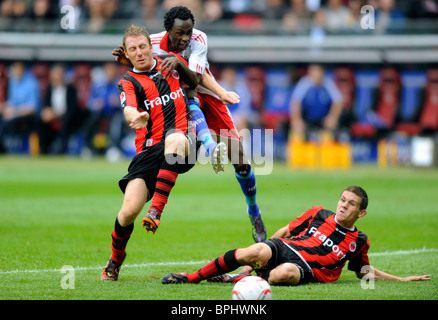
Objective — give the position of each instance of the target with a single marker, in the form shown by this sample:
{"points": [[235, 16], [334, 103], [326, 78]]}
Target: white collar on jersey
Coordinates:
{"points": [[139, 71], [352, 229]]}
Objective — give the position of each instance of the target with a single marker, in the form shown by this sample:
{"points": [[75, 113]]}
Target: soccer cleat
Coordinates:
{"points": [[218, 157], [175, 278], [111, 270], [258, 228], [230, 278], [152, 220]]}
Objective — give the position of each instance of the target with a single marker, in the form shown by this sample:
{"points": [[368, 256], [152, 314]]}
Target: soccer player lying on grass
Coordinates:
{"points": [[155, 105], [312, 248]]}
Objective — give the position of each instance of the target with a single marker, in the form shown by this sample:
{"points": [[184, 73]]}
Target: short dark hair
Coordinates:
{"points": [[361, 193], [178, 12]]}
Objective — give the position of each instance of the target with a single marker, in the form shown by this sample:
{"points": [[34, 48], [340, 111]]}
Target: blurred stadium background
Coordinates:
{"points": [[387, 74]]}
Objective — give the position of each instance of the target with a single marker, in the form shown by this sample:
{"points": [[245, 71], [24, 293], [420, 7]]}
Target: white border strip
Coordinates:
{"points": [[202, 262]]}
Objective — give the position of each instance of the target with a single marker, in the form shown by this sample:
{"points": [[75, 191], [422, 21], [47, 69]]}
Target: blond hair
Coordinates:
{"points": [[135, 31]]}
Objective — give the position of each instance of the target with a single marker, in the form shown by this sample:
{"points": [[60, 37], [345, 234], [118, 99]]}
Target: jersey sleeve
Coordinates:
{"points": [[302, 222], [198, 57], [360, 259], [127, 94]]}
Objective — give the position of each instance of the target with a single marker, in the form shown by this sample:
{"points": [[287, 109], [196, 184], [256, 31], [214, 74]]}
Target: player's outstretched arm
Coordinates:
{"points": [[227, 97], [380, 275]]}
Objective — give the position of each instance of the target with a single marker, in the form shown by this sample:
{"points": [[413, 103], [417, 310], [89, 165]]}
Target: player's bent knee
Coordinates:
{"points": [[285, 274], [176, 143], [256, 255]]}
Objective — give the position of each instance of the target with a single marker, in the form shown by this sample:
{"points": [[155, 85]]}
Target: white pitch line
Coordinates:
{"points": [[401, 252], [135, 265], [202, 262]]}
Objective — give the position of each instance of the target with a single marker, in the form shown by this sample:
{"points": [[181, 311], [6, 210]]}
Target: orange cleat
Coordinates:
{"points": [[152, 220], [111, 270]]}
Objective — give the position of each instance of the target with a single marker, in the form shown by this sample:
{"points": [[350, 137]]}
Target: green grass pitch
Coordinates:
{"points": [[57, 212]]}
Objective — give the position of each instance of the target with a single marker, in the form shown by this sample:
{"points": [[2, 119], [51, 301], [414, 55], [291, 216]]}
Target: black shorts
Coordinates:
{"points": [[281, 253], [146, 164]]}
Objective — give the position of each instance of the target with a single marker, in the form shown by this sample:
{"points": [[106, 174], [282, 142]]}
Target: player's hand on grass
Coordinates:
{"points": [[416, 278], [247, 270], [140, 121]]}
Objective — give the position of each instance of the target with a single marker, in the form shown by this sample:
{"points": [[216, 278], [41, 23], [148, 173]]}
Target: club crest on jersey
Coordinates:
{"points": [[175, 74], [122, 97], [352, 246]]}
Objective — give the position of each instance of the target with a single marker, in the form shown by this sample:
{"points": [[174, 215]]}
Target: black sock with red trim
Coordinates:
{"points": [[120, 237]]}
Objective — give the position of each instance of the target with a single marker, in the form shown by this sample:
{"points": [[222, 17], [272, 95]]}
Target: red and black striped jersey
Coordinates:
{"points": [[325, 245], [164, 100]]}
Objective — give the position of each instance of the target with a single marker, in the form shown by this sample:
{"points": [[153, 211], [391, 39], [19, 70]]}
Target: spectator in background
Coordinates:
{"points": [[94, 16], [100, 12], [213, 11], [354, 16], [336, 17], [12, 14], [298, 19], [18, 114], [423, 9], [43, 16], [389, 19], [244, 115], [236, 7], [149, 13], [317, 29], [256, 81], [105, 118], [316, 104], [230, 80], [59, 116], [6, 15], [275, 10], [195, 6]]}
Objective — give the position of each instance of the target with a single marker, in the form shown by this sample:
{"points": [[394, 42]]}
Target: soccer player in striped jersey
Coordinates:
{"points": [[155, 105], [312, 248], [182, 38]]}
